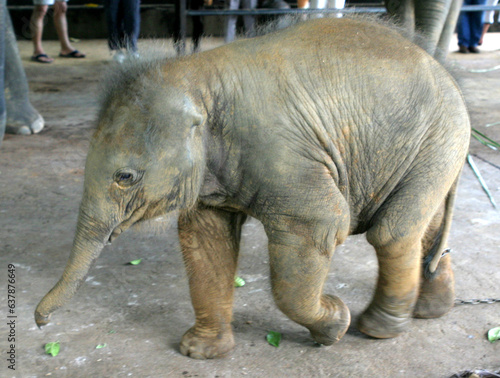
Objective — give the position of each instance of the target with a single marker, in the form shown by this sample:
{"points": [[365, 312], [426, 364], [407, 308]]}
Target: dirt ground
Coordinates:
{"points": [[140, 312]]}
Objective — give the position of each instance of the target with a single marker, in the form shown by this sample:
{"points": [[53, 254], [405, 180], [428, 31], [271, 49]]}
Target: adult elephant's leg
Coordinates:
{"points": [[22, 117], [230, 32], [430, 18], [3, 111], [210, 240], [448, 30]]}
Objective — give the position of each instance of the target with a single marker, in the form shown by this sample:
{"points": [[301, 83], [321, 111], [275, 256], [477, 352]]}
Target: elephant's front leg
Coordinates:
{"points": [[209, 240], [299, 268]]}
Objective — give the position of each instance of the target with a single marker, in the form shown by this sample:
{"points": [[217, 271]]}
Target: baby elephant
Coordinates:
{"points": [[329, 128]]}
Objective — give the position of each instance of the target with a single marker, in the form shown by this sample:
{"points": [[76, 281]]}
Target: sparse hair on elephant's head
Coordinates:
{"points": [[132, 78]]}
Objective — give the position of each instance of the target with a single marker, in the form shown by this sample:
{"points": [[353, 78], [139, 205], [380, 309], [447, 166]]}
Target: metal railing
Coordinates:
{"points": [[347, 10], [259, 12], [182, 13]]}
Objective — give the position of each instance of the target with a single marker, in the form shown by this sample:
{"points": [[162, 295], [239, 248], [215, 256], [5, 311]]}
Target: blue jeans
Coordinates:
{"points": [[470, 25], [124, 21], [248, 20]]}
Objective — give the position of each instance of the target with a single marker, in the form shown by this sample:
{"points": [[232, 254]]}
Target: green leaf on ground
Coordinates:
{"points": [[134, 262], [100, 346], [494, 334], [239, 282], [52, 348], [274, 338]]}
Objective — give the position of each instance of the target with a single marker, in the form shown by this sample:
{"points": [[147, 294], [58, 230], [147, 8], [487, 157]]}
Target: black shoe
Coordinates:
{"points": [[474, 50], [463, 49]]}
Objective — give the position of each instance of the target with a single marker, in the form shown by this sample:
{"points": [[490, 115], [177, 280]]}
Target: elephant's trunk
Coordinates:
{"points": [[87, 246]]}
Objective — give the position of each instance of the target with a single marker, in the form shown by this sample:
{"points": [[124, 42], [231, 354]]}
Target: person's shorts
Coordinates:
{"points": [[46, 2]]}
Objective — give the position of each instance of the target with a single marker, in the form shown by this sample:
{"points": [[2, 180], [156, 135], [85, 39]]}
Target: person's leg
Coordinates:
{"points": [[463, 31], [36, 25], [249, 21], [131, 23], [476, 26], [486, 27], [489, 18], [317, 4], [179, 44], [197, 24], [114, 25], [121, 26], [22, 118], [336, 4], [61, 24], [231, 21], [111, 9]]}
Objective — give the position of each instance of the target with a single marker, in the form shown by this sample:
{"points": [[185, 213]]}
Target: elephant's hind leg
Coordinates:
{"points": [[397, 287], [437, 294], [397, 233]]}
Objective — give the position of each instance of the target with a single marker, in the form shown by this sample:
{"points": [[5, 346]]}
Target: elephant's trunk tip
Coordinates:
{"points": [[41, 320]]}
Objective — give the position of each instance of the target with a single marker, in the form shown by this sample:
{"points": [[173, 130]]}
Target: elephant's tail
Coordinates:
{"points": [[431, 261]]}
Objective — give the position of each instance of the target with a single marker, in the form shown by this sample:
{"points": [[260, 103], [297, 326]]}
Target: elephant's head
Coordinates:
{"points": [[146, 158]]}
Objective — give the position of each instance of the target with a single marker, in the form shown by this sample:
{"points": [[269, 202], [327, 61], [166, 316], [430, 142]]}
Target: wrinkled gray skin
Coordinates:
{"points": [[329, 128], [435, 20], [17, 115]]}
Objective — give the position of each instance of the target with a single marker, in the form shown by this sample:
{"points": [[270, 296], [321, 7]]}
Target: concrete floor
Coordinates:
{"points": [[140, 312]]}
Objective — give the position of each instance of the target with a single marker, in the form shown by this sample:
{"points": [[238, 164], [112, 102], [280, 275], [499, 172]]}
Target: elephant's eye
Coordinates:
{"points": [[126, 176]]}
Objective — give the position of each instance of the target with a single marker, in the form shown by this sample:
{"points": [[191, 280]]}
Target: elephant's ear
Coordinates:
{"points": [[172, 116], [193, 112]]}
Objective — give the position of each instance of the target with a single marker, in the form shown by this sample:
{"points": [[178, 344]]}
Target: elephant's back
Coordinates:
{"points": [[366, 39]]}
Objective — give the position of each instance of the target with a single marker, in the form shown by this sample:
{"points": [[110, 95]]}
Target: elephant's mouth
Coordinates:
{"points": [[135, 218]]}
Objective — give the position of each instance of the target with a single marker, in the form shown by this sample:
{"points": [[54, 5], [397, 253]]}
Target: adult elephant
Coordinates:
{"points": [[17, 115], [434, 19]]}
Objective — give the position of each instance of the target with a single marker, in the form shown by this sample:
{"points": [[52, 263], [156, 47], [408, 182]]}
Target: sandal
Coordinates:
{"points": [[73, 54], [42, 58]]}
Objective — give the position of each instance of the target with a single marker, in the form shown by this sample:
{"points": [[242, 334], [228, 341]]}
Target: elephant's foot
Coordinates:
{"points": [[378, 323], [334, 324], [196, 344], [26, 124], [437, 294], [41, 320]]}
